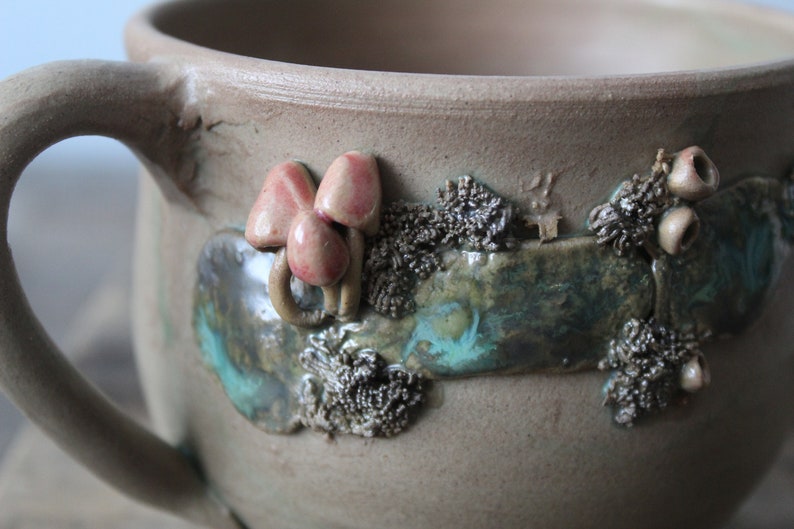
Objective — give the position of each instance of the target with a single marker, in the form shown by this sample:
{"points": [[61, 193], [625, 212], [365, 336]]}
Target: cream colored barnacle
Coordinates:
{"points": [[695, 374], [678, 229], [693, 176]]}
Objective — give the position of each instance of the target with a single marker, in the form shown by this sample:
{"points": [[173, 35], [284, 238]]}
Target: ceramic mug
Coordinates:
{"points": [[449, 264]]}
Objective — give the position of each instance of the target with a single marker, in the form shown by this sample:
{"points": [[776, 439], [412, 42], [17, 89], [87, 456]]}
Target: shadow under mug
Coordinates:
{"points": [[525, 210]]}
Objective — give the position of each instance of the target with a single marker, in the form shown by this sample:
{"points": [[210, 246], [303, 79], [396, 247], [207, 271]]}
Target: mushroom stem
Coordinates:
{"points": [[282, 298], [331, 299], [351, 281]]}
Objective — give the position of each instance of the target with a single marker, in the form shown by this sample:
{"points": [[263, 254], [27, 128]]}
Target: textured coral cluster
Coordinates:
{"points": [[652, 366], [655, 214], [627, 220], [407, 248], [474, 217], [356, 392]]}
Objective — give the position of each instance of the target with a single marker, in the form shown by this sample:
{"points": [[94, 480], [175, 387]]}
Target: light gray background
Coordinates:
{"points": [[72, 213]]}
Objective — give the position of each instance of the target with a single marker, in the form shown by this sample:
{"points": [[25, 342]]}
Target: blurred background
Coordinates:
{"points": [[77, 199], [71, 229]]}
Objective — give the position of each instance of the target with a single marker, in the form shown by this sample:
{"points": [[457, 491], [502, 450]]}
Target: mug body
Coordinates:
{"points": [[549, 112]]}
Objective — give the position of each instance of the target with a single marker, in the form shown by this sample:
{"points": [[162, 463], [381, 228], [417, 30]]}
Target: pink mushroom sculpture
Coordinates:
{"points": [[318, 234]]}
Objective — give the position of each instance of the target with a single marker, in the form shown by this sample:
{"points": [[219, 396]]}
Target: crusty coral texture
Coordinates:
{"points": [[355, 391], [647, 358], [407, 248], [627, 220]]}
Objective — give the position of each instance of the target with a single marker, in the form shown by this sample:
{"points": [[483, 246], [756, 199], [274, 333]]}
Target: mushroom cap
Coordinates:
{"points": [[316, 252], [350, 192], [288, 189]]}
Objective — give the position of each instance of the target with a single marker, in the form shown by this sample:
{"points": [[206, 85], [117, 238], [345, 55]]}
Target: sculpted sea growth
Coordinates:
{"points": [[459, 288]]}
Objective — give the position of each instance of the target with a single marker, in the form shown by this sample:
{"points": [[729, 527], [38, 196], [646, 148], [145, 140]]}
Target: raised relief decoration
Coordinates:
{"points": [[335, 315], [318, 234], [654, 215]]}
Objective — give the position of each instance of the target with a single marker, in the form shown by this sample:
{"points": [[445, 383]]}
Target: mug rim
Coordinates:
{"points": [[347, 87]]}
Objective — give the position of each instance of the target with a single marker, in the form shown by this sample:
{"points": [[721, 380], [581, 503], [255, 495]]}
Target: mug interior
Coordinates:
{"points": [[498, 37]]}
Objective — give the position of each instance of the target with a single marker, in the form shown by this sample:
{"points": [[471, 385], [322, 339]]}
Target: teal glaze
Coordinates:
{"points": [[235, 338], [538, 308], [550, 307], [720, 284], [462, 350], [249, 390]]}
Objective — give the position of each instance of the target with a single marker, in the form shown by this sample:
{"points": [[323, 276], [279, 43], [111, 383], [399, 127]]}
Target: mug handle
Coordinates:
{"points": [[140, 105]]}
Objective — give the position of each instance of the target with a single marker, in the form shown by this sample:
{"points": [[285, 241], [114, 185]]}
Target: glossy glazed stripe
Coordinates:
{"points": [[550, 307]]}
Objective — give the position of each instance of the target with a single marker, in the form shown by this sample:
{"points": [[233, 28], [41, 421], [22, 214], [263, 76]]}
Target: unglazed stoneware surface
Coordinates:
{"points": [[448, 264]]}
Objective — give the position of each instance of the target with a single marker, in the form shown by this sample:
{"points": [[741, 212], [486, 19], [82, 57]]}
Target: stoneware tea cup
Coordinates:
{"points": [[451, 264]]}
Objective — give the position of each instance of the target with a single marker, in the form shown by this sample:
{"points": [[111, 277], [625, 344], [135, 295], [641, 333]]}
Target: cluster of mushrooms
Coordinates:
{"points": [[318, 234]]}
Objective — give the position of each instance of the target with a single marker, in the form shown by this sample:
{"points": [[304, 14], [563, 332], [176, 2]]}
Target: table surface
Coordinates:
{"points": [[40, 487]]}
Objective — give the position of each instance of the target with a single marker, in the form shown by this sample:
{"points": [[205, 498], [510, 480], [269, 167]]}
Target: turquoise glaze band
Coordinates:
{"points": [[551, 307]]}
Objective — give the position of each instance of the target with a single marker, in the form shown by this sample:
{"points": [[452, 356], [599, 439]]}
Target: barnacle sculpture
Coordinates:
{"points": [[334, 237], [355, 391], [630, 218], [652, 363]]}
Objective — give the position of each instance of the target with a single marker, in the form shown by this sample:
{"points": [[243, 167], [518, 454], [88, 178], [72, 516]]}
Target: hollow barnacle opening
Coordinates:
{"points": [[693, 175], [678, 229], [695, 374], [659, 203]]}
